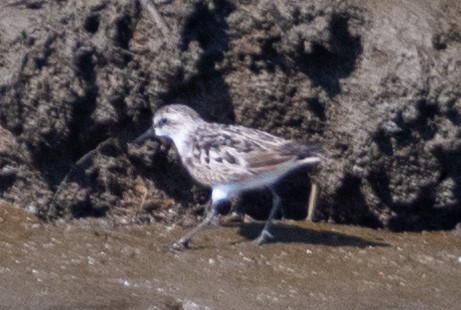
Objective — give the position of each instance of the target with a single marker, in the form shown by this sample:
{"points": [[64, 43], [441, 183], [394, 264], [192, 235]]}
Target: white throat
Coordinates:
{"points": [[180, 141]]}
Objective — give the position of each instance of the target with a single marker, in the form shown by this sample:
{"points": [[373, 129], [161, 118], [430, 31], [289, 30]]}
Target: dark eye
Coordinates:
{"points": [[162, 121]]}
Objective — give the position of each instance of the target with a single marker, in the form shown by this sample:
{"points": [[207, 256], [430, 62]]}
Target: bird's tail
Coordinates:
{"points": [[304, 152], [313, 149], [310, 154]]}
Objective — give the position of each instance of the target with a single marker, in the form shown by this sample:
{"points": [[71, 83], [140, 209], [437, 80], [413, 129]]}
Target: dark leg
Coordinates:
{"points": [[184, 241], [265, 234], [235, 216]]}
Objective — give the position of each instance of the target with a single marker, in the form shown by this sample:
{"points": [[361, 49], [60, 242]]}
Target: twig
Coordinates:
{"points": [[141, 206], [312, 201], [143, 198], [150, 7]]}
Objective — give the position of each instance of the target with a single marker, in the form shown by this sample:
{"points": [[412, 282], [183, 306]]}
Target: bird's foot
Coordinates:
{"points": [[181, 244], [232, 220], [263, 237]]}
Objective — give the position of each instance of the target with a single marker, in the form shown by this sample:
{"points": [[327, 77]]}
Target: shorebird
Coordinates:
{"points": [[229, 159]]}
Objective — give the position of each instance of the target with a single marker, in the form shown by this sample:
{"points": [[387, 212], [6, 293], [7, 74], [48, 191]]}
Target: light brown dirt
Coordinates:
{"points": [[89, 264]]}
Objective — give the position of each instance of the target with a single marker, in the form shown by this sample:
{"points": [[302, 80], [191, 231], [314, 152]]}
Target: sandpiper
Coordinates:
{"points": [[229, 158]]}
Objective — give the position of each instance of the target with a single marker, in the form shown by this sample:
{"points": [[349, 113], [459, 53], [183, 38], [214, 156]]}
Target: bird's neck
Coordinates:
{"points": [[180, 141], [182, 138]]}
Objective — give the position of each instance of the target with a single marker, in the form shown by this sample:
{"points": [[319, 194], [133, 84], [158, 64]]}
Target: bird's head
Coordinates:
{"points": [[174, 122]]}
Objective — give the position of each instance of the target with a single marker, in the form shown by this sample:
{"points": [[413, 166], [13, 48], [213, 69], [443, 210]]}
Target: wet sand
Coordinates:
{"points": [[91, 264]]}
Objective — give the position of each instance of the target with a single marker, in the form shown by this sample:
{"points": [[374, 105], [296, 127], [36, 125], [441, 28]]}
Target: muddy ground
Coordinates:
{"points": [[91, 264], [376, 83]]}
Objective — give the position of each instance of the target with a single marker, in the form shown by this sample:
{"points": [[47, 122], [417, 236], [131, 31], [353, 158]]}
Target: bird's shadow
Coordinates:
{"points": [[283, 233]]}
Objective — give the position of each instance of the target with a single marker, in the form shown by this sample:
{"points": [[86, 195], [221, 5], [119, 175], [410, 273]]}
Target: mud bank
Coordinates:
{"points": [[378, 84]]}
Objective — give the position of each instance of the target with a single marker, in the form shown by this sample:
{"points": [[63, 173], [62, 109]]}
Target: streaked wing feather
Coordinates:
{"points": [[249, 152], [267, 161], [233, 153]]}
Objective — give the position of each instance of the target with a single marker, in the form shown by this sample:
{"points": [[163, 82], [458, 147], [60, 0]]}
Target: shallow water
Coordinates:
{"points": [[88, 264]]}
